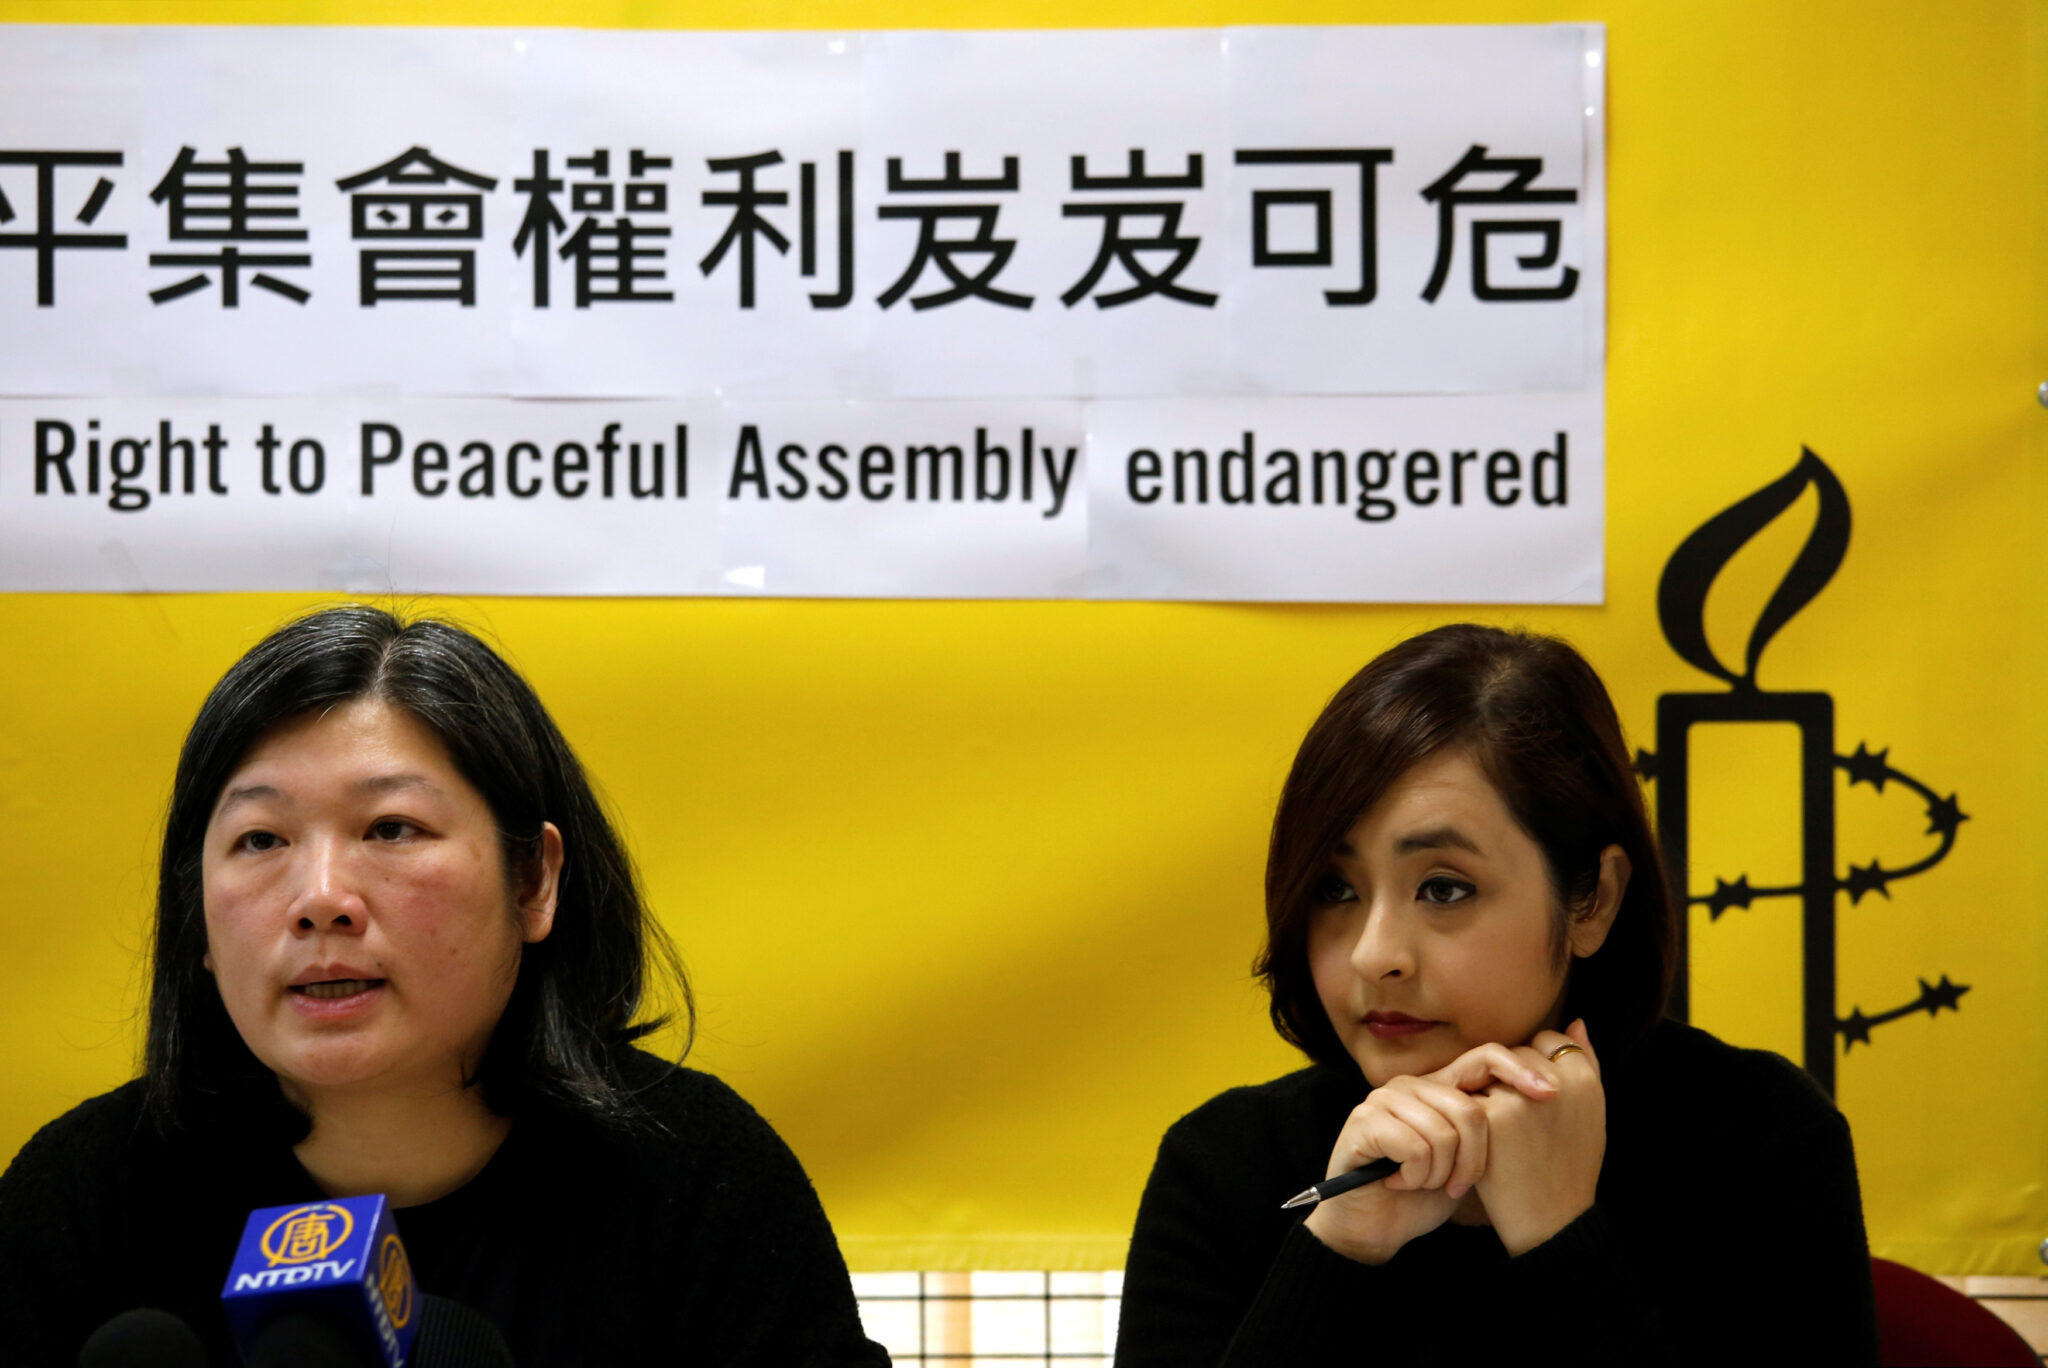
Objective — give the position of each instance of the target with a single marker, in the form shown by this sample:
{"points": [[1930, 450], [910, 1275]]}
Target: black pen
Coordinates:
{"points": [[1342, 1183]]}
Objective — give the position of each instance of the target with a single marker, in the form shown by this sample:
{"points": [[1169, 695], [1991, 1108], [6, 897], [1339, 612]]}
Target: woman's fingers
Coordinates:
{"points": [[1417, 1156], [1376, 1132], [1432, 1168], [1473, 1070], [1437, 1133], [1436, 1127], [1467, 1115], [1548, 1045], [1584, 1040]]}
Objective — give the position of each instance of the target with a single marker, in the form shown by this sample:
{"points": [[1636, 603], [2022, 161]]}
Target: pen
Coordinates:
{"points": [[1343, 1182]]}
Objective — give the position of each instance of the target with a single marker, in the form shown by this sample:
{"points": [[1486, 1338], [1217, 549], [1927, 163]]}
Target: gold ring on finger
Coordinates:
{"points": [[1561, 1051]]}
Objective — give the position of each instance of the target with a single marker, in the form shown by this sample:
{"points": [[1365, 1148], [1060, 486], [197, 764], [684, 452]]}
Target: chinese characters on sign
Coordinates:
{"points": [[618, 249]]}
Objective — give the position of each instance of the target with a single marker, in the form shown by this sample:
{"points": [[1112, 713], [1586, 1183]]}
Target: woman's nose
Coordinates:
{"points": [[327, 898], [1384, 949]]}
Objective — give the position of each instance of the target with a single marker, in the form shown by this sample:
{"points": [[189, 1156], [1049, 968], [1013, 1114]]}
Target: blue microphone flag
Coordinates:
{"points": [[340, 1260]]}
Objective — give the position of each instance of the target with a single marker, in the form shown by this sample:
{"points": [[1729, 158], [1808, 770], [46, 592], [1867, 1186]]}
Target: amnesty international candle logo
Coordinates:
{"points": [[1681, 608], [307, 1234], [394, 1281]]}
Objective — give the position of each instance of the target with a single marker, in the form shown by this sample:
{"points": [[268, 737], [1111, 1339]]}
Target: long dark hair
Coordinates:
{"points": [[579, 995], [1540, 724]]}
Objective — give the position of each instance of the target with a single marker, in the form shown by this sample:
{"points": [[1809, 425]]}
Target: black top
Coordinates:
{"points": [[1727, 1228], [701, 1242]]}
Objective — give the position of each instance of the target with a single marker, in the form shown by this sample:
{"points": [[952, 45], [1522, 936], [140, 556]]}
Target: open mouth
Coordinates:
{"points": [[336, 988]]}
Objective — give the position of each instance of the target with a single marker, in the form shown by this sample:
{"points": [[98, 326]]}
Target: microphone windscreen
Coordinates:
{"points": [[143, 1338], [302, 1339], [453, 1335]]}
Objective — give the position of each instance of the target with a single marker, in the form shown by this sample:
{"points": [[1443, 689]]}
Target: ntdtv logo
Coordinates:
{"points": [[331, 1269], [307, 1234]]}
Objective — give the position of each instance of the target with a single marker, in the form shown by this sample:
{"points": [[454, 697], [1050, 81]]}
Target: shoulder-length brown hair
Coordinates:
{"points": [[1537, 719]]}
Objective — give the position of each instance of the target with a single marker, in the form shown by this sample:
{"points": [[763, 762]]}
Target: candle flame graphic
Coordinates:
{"points": [[1700, 558]]}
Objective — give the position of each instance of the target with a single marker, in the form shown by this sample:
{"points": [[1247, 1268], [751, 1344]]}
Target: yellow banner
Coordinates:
{"points": [[970, 890]]}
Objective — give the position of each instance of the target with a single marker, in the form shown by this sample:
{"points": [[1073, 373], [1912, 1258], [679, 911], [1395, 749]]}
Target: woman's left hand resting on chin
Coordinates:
{"points": [[1543, 1155]]}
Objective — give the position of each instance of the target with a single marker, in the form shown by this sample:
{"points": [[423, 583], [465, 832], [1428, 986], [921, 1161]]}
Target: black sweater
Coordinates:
{"points": [[1727, 1229], [701, 1243]]}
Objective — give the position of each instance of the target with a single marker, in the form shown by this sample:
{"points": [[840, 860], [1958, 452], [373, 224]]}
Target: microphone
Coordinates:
{"points": [[302, 1339], [322, 1283], [453, 1335], [143, 1338]]}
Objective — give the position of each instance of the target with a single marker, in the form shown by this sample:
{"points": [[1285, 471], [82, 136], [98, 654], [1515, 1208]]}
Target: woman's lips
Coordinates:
{"points": [[1395, 1026], [336, 999]]}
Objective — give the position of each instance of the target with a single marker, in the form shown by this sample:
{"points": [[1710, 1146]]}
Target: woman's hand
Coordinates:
{"points": [[1437, 1128], [1544, 1155]]}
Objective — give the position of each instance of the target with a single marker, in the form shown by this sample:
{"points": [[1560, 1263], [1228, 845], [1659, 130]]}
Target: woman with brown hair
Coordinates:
{"points": [[1470, 935]]}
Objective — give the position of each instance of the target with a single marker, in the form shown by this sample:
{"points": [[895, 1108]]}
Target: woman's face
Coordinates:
{"points": [[1437, 927], [358, 921]]}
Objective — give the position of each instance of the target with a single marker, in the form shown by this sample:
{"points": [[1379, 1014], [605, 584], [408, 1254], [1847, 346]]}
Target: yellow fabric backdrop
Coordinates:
{"points": [[969, 889]]}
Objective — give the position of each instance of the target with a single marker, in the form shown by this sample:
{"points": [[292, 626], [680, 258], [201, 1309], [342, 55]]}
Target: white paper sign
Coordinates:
{"points": [[415, 309]]}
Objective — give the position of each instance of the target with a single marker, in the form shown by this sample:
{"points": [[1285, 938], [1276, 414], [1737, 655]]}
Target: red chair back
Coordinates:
{"points": [[1922, 1321]]}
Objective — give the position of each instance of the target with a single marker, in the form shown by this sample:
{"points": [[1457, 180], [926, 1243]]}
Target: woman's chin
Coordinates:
{"points": [[329, 1069], [1383, 1061]]}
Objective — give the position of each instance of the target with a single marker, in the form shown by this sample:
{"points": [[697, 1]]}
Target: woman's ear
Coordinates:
{"points": [[1589, 928], [543, 880]]}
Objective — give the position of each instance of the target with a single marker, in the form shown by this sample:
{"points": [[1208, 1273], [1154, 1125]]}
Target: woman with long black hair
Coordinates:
{"points": [[400, 949]]}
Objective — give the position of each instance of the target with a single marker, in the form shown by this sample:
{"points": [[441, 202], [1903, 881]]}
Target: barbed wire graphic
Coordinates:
{"points": [[1944, 816], [1855, 1027]]}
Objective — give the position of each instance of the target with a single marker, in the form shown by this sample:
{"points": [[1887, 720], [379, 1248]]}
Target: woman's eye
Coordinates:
{"points": [[392, 829], [258, 840], [1443, 890], [1331, 889]]}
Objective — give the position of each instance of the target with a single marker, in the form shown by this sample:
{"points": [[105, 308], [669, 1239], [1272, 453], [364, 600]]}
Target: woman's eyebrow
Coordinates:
{"points": [[376, 784], [391, 783], [1436, 838], [248, 793]]}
